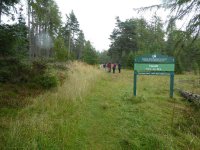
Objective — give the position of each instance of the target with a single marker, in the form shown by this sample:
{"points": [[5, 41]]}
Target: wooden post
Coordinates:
{"points": [[171, 84], [135, 83]]}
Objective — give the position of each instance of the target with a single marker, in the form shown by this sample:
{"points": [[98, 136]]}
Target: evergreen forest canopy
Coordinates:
{"points": [[137, 36], [46, 36]]}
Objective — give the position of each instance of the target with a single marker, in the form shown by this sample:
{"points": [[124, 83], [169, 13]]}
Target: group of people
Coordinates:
{"points": [[112, 67]]}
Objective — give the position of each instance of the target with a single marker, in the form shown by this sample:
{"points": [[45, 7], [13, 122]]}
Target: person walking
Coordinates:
{"points": [[109, 67], [114, 67], [104, 66], [119, 67]]}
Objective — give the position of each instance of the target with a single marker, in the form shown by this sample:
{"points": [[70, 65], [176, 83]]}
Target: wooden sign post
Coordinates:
{"points": [[154, 65]]}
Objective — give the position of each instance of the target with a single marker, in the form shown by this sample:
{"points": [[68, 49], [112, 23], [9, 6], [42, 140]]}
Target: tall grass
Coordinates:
{"points": [[94, 109], [48, 121]]}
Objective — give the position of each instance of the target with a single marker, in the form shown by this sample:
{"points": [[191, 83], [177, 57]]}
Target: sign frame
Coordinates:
{"points": [[153, 65]]}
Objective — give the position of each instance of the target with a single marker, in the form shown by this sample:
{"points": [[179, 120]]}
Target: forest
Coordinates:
{"points": [[50, 80], [28, 45], [44, 36]]}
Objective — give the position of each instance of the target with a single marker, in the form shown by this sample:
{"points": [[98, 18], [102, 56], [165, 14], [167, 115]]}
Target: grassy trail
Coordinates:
{"points": [[96, 110], [113, 119]]}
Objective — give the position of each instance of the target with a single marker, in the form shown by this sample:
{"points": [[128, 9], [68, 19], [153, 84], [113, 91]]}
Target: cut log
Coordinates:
{"points": [[191, 97]]}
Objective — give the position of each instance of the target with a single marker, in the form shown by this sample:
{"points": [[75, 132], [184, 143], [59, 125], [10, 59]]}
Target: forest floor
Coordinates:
{"points": [[96, 110]]}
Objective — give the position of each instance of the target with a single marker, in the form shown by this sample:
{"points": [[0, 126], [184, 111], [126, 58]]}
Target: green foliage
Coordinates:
{"points": [[45, 81], [123, 39], [71, 29], [186, 51], [196, 68], [136, 36], [89, 54], [5, 6], [61, 52], [13, 39], [79, 45], [44, 22], [39, 67], [13, 70], [178, 66], [47, 15], [40, 77], [35, 74], [123, 121], [130, 60], [143, 35], [180, 44], [72, 23], [115, 118], [181, 9], [103, 57], [156, 37], [149, 38]]}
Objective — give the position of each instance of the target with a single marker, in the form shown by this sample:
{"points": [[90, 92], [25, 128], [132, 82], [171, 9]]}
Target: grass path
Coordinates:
{"points": [[96, 110], [110, 118]]}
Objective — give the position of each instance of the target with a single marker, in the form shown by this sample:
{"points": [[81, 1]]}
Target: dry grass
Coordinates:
{"points": [[189, 82], [51, 108], [96, 110]]}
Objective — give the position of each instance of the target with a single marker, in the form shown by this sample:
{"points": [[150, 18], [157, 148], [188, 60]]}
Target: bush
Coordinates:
{"points": [[196, 68], [13, 70], [4, 75], [130, 60], [61, 52], [13, 39], [46, 81], [178, 66], [35, 75], [39, 67]]}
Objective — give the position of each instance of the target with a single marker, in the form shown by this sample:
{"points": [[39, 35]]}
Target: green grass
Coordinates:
{"points": [[96, 110]]}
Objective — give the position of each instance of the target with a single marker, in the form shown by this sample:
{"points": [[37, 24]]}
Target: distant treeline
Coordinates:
{"points": [[45, 36], [29, 49], [135, 37]]}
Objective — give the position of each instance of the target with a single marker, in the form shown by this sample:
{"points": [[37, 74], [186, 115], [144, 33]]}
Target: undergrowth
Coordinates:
{"points": [[94, 109]]}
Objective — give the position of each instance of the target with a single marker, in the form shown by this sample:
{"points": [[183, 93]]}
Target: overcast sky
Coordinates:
{"points": [[97, 17]]}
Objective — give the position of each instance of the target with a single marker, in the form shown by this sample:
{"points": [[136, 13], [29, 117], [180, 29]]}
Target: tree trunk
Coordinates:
{"points": [[69, 44], [191, 97], [33, 41], [1, 5], [29, 29]]}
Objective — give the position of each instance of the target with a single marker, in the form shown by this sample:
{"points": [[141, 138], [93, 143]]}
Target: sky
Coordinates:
{"points": [[97, 17]]}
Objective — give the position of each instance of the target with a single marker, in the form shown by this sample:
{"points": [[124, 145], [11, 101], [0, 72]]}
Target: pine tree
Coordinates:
{"points": [[5, 6]]}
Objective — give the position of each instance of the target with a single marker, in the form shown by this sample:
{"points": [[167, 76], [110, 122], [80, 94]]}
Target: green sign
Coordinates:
{"points": [[154, 65], [154, 59]]}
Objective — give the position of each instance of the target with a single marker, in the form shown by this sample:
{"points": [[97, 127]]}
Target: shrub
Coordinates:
{"points": [[35, 75], [178, 67], [61, 52], [13, 40], [46, 81], [39, 67], [130, 60], [13, 70], [4, 75]]}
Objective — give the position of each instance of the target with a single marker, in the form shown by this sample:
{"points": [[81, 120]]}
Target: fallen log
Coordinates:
{"points": [[191, 97]]}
